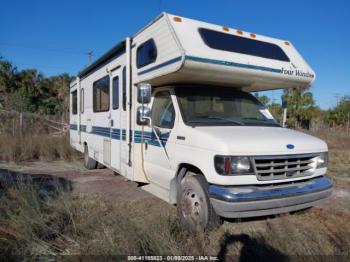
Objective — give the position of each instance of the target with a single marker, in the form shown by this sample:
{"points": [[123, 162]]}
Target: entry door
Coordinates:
{"points": [[158, 141], [125, 118], [115, 122]]}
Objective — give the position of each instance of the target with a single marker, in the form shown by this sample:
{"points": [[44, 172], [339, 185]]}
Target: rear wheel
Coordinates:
{"points": [[193, 204], [89, 162], [100, 166]]}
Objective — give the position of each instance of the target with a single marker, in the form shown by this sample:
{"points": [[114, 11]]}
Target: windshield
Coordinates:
{"points": [[205, 106]]}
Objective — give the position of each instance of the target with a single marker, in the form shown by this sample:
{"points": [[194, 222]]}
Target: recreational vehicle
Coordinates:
{"points": [[171, 108]]}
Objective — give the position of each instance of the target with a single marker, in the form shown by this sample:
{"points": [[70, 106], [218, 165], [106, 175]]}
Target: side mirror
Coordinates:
{"points": [[144, 93], [143, 116]]}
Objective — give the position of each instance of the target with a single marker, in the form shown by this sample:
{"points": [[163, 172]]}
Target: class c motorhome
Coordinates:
{"points": [[171, 108]]}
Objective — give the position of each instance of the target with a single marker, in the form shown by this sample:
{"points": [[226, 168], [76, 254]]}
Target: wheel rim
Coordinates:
{"points": [[192, 207]]}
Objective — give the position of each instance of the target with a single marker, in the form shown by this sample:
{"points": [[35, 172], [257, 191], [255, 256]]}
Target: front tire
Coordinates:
{"points": [[89, 163], [193, 204]]}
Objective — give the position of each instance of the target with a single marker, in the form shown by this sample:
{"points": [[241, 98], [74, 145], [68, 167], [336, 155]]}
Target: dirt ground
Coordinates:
{"points": [[83, 181]]}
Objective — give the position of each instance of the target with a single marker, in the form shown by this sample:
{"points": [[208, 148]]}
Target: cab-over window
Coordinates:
{"points": [[146, 53]]}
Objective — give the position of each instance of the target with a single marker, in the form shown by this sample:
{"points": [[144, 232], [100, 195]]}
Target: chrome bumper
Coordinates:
{"points": [[253, 201]]}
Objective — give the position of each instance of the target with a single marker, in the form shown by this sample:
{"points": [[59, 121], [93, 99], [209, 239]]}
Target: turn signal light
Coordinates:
{"points": [[177, 19]]}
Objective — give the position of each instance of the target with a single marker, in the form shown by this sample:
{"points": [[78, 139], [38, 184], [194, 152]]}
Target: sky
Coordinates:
{"points": [[54, 36]]}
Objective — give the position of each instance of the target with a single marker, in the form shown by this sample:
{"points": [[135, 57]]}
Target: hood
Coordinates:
{"points": [[254, 140]]}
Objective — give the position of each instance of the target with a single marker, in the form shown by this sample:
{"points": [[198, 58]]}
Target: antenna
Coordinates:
{"points": [[89, 56]]}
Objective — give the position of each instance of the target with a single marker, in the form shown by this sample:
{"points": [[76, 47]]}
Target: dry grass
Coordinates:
{"points": [[53, 223], [339, 150], [50, 224], [38, 147]]}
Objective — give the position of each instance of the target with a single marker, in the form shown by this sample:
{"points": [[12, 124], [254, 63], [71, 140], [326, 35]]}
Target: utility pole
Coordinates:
{"points": [[89, 56], [337, 97], [284, 115]]}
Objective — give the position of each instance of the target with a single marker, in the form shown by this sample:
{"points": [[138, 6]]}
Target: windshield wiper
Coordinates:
{"points": [[219, 118], [267, 121]]}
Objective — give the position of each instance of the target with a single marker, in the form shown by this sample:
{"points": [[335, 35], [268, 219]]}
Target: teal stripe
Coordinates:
{"points": [[232, 64], [211, 61], [118, 134], [169, 62]]}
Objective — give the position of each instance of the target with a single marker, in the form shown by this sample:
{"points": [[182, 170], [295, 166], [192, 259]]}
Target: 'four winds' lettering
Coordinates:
{"points": [[292, 72]]}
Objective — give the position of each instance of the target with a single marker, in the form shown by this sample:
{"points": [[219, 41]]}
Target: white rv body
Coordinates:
{"points": [[183, 59]]}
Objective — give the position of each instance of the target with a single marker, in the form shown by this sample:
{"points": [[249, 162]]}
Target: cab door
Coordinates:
{"points": [[159, 139], [115, 120]]}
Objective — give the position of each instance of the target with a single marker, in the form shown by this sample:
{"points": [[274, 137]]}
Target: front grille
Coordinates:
{"points": [[282, 167]]}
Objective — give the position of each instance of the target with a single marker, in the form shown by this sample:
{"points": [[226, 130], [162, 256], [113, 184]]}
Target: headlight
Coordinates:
{"points": [[322, 160], [233, 165]]}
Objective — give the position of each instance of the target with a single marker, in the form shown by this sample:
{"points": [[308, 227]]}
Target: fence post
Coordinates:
{"points": [[13, 126], [20, 123]]}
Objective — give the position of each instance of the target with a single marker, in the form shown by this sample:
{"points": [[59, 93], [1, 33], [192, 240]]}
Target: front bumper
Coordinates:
{"points": [[254, 201]]}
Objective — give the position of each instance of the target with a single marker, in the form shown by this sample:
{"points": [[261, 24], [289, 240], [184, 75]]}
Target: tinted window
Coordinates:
{"points": [[163, 113], [101, 95], [237, 44], [115, 85], [82, 100], [74, 102], [146, 53], [124, 88]]}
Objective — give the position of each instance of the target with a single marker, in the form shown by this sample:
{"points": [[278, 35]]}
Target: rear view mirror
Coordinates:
{"points": [[143, 116], [144, 92]]}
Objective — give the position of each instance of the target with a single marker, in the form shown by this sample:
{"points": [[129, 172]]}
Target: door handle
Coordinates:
{"points": [[146, 145], [112, 122]]}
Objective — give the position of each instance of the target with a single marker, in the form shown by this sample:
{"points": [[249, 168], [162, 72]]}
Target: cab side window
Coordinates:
{"points": [[163, 112]]}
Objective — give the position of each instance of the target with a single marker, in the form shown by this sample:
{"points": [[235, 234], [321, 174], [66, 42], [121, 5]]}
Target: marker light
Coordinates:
{"points": [[177, 19], [286, 43], [225, 28], [322, 160], [239, 32], [252, 35]]}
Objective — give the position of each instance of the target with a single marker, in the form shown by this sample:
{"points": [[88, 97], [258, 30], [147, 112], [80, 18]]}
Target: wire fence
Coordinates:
{"points": [[24, 123]]}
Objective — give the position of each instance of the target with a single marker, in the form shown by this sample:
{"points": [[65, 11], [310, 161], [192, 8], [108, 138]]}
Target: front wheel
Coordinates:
{"points": [[193, 204]]}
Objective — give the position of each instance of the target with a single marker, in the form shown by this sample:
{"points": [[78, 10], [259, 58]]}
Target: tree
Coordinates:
{"points": [[300, 106], [263, 99], [340, 114], [276, 111], [30, 91]]}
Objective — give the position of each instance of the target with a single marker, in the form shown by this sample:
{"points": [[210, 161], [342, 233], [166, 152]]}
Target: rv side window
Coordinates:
{"points": [[82, 100], [124, 88], [115, 86], [146, 53], [75, 102], [163, 113], [101, 95], [238, 44]]}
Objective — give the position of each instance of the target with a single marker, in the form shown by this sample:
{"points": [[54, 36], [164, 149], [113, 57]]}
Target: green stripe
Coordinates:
{"points": [[232, 64]]}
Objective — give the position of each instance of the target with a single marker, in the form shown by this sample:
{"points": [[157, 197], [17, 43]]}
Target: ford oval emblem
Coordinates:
{"points": [[290, 146]]}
